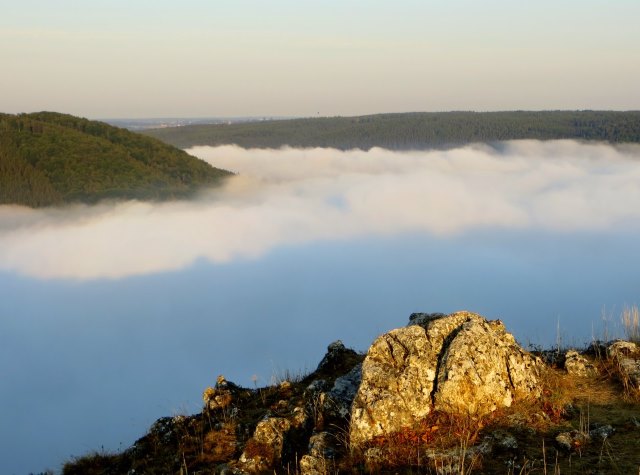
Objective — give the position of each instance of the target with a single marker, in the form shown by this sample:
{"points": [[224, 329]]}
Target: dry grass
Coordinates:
{"points": [[220, 445], [589, 402], [96, 463], [631, 323]]}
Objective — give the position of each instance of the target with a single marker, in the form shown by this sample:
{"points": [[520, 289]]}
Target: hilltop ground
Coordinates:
{"points": [[587, 420]]}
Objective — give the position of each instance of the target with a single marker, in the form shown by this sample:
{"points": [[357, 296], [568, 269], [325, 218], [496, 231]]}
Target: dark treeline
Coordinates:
{"points": [[48, 158], [419, 130]]}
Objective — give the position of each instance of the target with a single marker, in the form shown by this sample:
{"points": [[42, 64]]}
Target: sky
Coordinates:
{"points": [[202, 58]]}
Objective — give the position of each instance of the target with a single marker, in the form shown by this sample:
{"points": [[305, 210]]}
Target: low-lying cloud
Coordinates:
{"points": [[294, 196]]}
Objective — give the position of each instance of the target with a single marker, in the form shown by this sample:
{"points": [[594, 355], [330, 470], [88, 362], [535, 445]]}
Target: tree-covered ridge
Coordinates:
{"points": [[48, 158], [408, 131]]}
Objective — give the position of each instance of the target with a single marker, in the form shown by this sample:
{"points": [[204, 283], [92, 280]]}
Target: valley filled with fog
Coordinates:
{"points": [[120, 313]]}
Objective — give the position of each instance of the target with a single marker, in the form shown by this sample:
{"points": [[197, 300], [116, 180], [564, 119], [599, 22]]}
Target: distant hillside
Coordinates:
{"points": [[407, 131], [49, 158]]}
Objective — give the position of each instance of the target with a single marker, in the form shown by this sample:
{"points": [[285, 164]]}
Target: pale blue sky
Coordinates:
{"points": [[248, 57]]}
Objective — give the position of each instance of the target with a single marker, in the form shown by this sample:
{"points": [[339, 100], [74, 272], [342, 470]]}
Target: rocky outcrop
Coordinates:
{"points": [[424, 398], [460, 363], [324, 403]]}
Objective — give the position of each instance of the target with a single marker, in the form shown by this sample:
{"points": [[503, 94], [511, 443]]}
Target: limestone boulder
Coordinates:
{"points": [[483, 369], [459, 363]]}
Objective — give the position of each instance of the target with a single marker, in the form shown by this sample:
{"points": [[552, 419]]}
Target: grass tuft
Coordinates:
{"points": [[631, 323]]}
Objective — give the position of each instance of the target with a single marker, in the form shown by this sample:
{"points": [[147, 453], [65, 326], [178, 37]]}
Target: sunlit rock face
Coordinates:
{"points": [[459, 363]]}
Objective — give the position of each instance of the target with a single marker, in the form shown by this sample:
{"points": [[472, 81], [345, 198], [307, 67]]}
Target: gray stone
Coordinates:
{"points": [[423, 319], [322, 445], [344, 390], [504, 440], [601, 431], [317, 386]]}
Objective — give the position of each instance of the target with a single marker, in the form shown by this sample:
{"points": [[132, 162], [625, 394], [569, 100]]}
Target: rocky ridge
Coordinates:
{"points": [[446, 394]]}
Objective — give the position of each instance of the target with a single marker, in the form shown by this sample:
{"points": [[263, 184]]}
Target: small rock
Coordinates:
{"points": [[265, 449], [504, 440], [552, 358], [217, 398], [310, 465], [601, 431], [578, 365], [337, 358], [222, 383], [572, 440], [627, 357], [322, 445], [316, 387], [280, 406], [299, 418]]}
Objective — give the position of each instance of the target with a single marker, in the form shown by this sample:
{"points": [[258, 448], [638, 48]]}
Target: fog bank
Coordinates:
{"points": [[293, 196]]}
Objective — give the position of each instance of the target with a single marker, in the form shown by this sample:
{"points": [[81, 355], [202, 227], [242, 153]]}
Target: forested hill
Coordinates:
{"points": [[48, 158], [407, 131]]}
